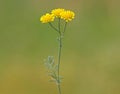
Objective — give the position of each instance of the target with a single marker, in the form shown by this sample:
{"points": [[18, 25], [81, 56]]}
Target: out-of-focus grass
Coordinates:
{"points": [[91, 50]]}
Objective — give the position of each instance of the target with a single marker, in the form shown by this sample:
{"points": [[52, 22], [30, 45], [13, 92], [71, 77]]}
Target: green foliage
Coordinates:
{"points": [[52, 69]]}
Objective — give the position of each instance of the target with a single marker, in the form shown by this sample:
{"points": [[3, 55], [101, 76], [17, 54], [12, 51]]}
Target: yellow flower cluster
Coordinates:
{"points": [[47, 18], [57, 12], [66, 15]]}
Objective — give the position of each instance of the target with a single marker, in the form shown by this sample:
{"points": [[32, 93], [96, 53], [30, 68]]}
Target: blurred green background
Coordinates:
{"points": [[91, 48]]}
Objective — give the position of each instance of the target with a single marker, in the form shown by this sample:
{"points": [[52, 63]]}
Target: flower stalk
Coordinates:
{"points": [[54, 68], [59, 57]]}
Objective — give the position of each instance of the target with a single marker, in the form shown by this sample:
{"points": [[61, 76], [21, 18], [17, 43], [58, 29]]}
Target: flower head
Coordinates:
{"points": [[56, 12], [47, 18], [67, 15]]}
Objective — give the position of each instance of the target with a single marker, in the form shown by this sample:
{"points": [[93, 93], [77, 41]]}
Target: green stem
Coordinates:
{"points": [[53, 27], [59, 25], [59, 89], [65, 27], [59, 50], [59, 56]]}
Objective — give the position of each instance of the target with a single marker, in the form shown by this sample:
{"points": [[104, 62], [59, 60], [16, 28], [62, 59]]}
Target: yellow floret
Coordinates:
{"points": [[56, 12], [67, 15], [47, 18]]}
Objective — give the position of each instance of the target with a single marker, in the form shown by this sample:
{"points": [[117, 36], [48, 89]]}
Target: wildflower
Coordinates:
{"points": [[67, 15], [53, 67], [47, 18], [56, 12]]}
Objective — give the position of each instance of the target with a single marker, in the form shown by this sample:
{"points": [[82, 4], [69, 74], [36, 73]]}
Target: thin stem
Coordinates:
{"points": [[59, 50], [53, 27], [59, 56], [59, 89], [59, 25], [65, 27]]}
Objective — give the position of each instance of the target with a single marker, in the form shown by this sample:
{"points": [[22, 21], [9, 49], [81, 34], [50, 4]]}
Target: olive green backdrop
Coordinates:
{"points": [[91, 47]]}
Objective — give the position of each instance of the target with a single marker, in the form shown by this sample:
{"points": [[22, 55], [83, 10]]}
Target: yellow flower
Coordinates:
{"points": [[56, 12], [47, 18], [67, 15]]}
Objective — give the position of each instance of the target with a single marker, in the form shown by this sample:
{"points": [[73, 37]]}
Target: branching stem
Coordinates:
{"points": [[53, 27], [59, 50]]}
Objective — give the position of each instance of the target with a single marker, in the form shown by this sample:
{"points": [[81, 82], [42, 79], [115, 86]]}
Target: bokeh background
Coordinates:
{"points": [[91, 48]]}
